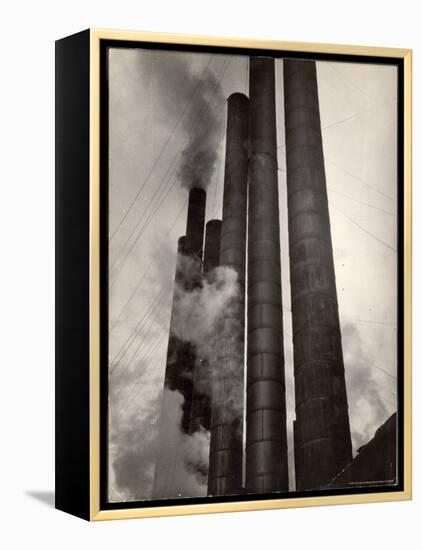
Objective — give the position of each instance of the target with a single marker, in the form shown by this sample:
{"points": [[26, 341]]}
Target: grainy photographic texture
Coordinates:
{"points": [[252, 275]]}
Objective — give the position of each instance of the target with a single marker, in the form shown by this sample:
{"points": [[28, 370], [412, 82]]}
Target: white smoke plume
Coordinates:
{"points": [[203, 316], [199, 311], [207, 318], [133, 416], [145, 426], [141, 438], [189, 453]]}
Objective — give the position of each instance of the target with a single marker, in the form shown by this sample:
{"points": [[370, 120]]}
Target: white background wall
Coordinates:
{"points": [[27, 271]]}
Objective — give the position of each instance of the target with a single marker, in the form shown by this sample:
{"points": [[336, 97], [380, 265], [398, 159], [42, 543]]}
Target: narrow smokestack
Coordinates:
{"points": [[322, 432], [201, 394], [266, 438], [225, 466], [173, 379], [178, 377], [195, 222], [212, 246], [181, 354], [181, 249]]}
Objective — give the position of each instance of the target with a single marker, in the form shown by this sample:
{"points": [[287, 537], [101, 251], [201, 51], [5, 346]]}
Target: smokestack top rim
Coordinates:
{"points": [[238, 96], [262, 58], [196, 190], [214, 221]]}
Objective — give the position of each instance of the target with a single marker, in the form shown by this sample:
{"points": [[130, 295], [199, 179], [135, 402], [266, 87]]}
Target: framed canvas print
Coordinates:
{"points": [[233, 274]]}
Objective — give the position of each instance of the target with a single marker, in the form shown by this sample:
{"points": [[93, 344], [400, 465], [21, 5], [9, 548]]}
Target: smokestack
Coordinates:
{"points": [[195, 223], [180, 357], [266, 438], [180, 354], [173, 377], [176, 378], [226, 444], [212, 246], [322, 432], [201, 394]]}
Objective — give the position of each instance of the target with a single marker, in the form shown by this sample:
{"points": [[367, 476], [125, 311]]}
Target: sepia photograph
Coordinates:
{"points": [[253, 275]]}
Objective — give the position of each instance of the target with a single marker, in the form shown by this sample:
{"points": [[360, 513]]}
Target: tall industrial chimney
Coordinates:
{"points": [[266, 438], [201, 393], [322, 432], [226, 445], [212, 247], [181, 354], [195, 223], [174, 380], [178, 365]]}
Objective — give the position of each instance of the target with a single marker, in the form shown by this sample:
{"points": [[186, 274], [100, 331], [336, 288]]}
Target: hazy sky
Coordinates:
{"points": [[158, 101]]}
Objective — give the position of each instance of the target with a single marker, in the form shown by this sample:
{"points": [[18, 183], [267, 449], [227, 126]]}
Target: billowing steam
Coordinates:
{"points": [[147, 434], [199, 311], [140, 439], [133, 415], [201, 319], [189, 453], [196, 96], [206, 317]]}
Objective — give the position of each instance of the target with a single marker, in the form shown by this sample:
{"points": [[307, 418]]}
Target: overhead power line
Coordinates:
{"points": [[359, 179], [145, 273], [363, 228], [158, 204], [128, 342], [380, 369], [162, 149], [361, 202], [371, 322]]}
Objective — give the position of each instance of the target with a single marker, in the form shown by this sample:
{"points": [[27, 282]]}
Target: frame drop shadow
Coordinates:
{"points": [[45, 497]]}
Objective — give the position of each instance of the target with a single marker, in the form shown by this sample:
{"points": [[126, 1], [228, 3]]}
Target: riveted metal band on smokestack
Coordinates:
{"points": [[201, 393], [322, 431], [266, 439], [226, 444]]}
